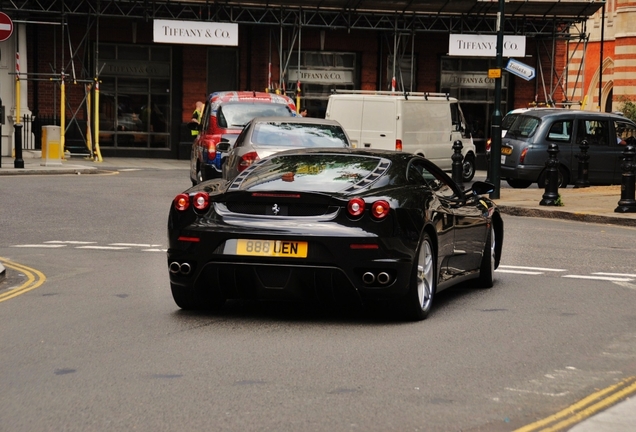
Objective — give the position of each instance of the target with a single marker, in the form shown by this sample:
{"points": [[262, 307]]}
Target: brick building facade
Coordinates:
{"points": [[613, 79], [148, 90]]}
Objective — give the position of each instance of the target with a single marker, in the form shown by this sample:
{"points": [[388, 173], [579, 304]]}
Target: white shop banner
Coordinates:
{"points": [[475, 45], [195, 32]]}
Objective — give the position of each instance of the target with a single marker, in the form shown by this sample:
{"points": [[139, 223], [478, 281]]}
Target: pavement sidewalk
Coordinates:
{"points": [[594, 204]]}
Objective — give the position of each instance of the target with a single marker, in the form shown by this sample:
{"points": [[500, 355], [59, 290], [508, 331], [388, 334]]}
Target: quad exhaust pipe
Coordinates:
{"points": [[383, 278], [368, 278], [180, 268]]}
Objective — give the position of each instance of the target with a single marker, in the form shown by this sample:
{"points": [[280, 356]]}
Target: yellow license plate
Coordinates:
{"points": [[272, 248], [506, 151]]}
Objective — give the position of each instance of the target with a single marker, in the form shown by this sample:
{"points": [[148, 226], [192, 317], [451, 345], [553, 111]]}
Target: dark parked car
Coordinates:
{"points": [[264, 136], [378, 227], [524, 148]]}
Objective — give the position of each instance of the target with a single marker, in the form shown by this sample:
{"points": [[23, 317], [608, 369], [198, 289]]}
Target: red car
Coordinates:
{"points": [[224, 116]]}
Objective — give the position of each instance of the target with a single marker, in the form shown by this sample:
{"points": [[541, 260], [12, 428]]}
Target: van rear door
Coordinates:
{"points": [[427, 130], [378, 123], [347, 110]]}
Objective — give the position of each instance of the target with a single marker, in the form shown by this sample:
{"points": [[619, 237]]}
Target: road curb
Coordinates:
{"points": [[556, 214], [54, 171]]}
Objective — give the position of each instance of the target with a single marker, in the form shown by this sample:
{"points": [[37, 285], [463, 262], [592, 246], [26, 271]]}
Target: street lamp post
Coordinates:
{"points": [[495, 149]]}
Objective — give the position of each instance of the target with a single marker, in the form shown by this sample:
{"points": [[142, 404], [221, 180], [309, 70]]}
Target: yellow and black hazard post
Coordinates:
{"points": [[98, 154], [298, 97]]}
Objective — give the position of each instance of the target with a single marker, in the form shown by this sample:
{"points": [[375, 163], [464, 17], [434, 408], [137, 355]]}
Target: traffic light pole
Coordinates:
{"points": [[495, 148]]}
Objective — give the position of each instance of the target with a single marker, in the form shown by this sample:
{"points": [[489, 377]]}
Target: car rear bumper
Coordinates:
{"points": [[332, 271], [522, 172]]}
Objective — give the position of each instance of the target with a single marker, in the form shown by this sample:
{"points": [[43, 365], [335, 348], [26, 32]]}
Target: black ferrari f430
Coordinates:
{"points": [[381, 227]]}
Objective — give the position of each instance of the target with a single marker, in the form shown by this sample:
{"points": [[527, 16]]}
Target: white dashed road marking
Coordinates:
{"points": [[526, 270], [615, 274], [499, 270], [134, 245], [103, 247], [71, 242], [605, 278], [542, 269], [40, 246]]}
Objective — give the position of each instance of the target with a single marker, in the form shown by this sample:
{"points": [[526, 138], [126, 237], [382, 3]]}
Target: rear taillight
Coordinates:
{"points": [[524, 152], [209, 149], [398, 145], [380, 209], [182, 202], [246, 160], [201, 200], [355, 207]]}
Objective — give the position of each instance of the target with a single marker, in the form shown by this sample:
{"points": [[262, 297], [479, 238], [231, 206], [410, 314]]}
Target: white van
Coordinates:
{"points": [[422, 123]]}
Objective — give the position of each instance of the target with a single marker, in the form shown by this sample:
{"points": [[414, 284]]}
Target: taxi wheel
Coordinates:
{"points": [[563, 177], [518, 184]]}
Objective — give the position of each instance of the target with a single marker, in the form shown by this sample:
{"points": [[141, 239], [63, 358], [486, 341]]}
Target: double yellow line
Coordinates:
{"points": [[35, 278], [584, 408]]}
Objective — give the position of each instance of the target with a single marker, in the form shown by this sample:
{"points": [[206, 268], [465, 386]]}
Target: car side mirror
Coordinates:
{"points": [[482, 188], [223, 147]]}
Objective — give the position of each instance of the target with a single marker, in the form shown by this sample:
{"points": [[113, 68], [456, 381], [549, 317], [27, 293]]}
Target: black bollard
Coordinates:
{"points": [[458, 166], [18, 162], [551, 195], [627, 203], [583, 178]]}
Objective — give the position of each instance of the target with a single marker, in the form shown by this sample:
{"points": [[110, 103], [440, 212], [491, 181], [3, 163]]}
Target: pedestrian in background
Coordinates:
{"points": [[197, 115], [303, 112]]}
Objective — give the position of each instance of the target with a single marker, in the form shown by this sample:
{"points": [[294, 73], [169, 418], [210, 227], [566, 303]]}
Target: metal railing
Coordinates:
{"points": [[75, 140]]}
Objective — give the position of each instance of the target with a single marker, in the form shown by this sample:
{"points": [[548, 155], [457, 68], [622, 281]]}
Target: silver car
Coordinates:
{"points": [[264, 136]]}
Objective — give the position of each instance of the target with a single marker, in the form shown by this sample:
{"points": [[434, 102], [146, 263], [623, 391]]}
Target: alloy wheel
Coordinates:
{"points": [[425, 276]]}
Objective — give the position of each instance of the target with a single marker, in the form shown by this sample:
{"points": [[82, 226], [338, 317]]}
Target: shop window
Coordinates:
{"points": [[107, 52], [160, 54], [132, 53], [320, 73], [222, 69], [466, 78], [134, 104], [403, 76]]}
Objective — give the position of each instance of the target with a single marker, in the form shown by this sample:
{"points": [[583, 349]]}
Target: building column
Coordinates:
{"points": [[624, 56]]}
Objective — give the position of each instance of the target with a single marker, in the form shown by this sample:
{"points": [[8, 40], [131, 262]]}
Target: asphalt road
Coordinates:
{"points": [[100, 345]]}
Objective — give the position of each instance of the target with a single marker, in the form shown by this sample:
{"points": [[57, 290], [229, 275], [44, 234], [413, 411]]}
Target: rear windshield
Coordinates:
{"points": [[312, 172], [237, 115], [508, 120], [524, 126], [299, 135]]}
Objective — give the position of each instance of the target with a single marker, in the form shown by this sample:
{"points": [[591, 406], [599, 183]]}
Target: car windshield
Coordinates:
{"points": [[237, 115], [299, 135], [524, 126], [323, 172]]}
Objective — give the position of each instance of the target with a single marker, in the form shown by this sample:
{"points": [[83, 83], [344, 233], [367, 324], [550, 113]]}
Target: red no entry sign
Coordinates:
{"points": [[6, 27]]}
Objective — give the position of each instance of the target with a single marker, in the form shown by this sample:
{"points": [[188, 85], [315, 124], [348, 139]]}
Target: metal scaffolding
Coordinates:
{"points": [[461, 16]]}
